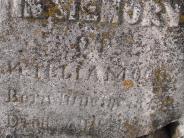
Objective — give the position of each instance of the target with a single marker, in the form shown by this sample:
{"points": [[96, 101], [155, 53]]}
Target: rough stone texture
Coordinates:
{"points": [[90, 68]]}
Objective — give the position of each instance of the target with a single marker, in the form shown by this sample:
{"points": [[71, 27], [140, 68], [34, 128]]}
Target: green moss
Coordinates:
{"points": [[160, 80], [132, 130], [158, 1], [182, 19], [162, 84], [168, 101]]}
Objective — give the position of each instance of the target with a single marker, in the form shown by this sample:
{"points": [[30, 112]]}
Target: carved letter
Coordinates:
{"points": [[89, 10], [12, 120], [151, 10], [17, 67], [17, 8], [110, 11], [61, 9], [114, 76], [173, 14], [12, 96], [132, 13], [32, 8], [74, 9]]}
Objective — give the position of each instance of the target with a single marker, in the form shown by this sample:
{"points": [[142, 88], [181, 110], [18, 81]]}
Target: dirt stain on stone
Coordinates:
{"points": [[161, 80], [128, 84]]}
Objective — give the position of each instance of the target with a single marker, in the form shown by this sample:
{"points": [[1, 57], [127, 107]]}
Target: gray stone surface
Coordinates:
{"points": [[90, 68]]}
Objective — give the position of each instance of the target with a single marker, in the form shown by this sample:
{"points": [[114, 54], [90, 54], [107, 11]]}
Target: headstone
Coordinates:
{"points": [[90, 68]]}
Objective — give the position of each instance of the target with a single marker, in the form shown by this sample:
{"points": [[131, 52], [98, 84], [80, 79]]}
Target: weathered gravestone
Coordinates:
{"points": [[90, 68]]}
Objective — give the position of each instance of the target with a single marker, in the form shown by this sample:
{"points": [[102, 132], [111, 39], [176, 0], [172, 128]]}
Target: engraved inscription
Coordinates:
{"points": [[115, 11], [79, 68], [95, 126], [109, 103]]}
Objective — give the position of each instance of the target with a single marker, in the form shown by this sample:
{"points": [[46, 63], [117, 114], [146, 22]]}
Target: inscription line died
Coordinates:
{"points": [[76, 125]]}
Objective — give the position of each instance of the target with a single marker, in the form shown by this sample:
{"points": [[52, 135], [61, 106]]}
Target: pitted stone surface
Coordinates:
{"points": [[90, 68]]}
